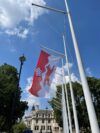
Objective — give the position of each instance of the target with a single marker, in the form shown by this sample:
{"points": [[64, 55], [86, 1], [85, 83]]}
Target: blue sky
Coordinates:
{"points": [[24, 28]]}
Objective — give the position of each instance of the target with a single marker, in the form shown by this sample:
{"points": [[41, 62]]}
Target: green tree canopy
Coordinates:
{"points": [[19, 128], [94, 85], [11, 107]]}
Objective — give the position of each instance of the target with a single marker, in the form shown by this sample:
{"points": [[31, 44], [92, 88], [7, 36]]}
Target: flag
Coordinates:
{"points": [[43, 74]]}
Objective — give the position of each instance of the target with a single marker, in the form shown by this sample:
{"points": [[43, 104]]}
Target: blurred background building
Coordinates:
{"points": [[42, 121]]}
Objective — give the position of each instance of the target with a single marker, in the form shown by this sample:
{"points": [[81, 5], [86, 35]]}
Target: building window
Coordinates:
{"points": [[36, 115], [43, 115], [36, 128], [42, 121], [36, 121], [49, 120], [56, 128], [48, 115], [43, 127], [49, 127]]}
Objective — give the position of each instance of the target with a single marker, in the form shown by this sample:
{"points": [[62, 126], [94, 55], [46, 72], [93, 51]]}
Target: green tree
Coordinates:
{"points": [[11, 107], [57, 112], [94, 85], [19, 128]]}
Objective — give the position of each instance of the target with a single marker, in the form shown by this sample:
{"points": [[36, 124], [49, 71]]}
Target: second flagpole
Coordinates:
{"points": [[65, 116], [71, 90]]}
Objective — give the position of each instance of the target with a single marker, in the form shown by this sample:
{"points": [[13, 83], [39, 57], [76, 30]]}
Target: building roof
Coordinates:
{"points": [[43, 111]]}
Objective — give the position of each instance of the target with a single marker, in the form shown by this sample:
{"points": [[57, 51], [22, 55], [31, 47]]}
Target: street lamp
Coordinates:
{"points": [[22, 59]]}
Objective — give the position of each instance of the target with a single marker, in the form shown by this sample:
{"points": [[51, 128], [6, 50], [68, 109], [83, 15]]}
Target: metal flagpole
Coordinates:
{"points": [[69, 114], [49, 8], [57, 102], [58, 108], [71, 90], [53, 51], [64, 130], [56, 105], [64, 103], [87, 94]]}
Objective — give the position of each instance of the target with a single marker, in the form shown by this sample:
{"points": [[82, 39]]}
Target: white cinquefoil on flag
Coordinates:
{"points": [[43, 74]]}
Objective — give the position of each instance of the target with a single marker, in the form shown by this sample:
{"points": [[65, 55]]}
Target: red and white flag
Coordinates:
{"points": [[43, 74]]}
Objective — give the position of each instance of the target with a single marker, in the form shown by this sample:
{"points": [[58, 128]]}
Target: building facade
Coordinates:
{"points": [[42, 121]]}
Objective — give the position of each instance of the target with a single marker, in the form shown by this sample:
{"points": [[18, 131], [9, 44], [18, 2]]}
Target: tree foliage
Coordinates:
{"points": [[19, 128], [94, 85], [56, 105], [11, 107]]}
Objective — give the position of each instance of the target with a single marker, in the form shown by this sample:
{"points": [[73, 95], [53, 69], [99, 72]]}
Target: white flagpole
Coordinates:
{"points": [[58, 109], [64, 103], [65, 122], [64, 129], [56, 105], [57, 102], [53, 51], [91, 111], [69, 114], [71, 90]]}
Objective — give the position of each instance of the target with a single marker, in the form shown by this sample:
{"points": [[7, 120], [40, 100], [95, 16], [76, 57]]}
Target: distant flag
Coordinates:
{"points": [[43, 74]]}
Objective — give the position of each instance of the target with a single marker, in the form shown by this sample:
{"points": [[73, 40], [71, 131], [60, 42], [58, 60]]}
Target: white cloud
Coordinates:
{"points": [[13, 50], [28, 85], [20, 32], [12, 12], [58, 74], [88, 71], [58, 79], [65, 66], [24, 33], [30, 98]]}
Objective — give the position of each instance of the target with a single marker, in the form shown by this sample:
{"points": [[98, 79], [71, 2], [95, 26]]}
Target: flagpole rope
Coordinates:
{"points": [[59, 34], [69, 51], [45, 21]]}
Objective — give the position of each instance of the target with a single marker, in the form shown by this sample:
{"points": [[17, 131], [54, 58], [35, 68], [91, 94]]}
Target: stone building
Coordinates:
{"points": [[42, 121]]}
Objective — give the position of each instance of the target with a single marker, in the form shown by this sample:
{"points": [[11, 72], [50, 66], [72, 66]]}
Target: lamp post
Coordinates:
{"points": [[22, 59]]}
